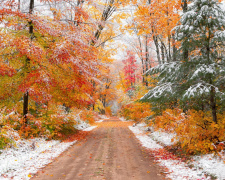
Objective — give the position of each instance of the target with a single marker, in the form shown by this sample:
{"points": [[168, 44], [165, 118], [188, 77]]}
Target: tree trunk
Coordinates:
{"points": [[105, 15], [169, 54], [162, 53], [174, 48], [19, 5], [143, 70], [213, 104], [155, 38], [169, 39], [212, 90], [146, 57], [27, 64], [185, 53], [25, 105], [184, 6], [142, 60]]}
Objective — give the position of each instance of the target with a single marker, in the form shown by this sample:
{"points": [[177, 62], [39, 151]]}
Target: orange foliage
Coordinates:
{"points": [[52, 127], [88, 116], [108, 111], [196, 132], [160, 17], [136, 111]]}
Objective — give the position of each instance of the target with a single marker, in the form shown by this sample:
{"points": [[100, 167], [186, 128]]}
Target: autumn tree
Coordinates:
{"points": [[156, 19], [105, 89], [198, 77], [54, 58], [130, 68]]}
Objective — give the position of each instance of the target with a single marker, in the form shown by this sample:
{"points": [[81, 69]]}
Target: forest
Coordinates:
{"points": [[64, 63]]}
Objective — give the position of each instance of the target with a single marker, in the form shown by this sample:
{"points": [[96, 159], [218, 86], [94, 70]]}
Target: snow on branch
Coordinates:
{"points": [[158, 91], [166, 67], [203, 69], [200, 89]]}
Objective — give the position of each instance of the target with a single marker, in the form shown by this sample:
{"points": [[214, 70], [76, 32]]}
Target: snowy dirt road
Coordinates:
{"points": [[109, 152]]}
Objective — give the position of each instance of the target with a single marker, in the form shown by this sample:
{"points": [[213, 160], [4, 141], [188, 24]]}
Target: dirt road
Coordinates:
{"points": [[110, 152]]}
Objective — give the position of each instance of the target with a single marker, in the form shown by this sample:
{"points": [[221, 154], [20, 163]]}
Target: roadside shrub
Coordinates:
{"points": [[196, 132], [59, 126], [50, 126], [108, 111], [50, 123], [7, 137], [136, 111], [4, 141], [87, 116]]}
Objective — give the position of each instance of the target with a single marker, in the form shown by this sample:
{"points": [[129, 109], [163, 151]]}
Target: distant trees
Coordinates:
{"points": [[130, 69]]}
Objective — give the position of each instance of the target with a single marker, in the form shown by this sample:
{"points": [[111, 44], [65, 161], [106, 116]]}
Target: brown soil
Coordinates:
{"points": [[110, 151]]}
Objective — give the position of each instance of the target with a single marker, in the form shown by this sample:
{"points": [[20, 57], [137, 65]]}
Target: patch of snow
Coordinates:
{"points": [[103, 116], [11, 134], [145, 140], [122, 119], [141, 126], [211, 164], [177, 170], [99, 121], [81, 125], [28, 156], [89, 128], [167, 139]]}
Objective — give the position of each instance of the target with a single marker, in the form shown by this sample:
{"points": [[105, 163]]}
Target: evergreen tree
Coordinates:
{"points": [[200, 75]]}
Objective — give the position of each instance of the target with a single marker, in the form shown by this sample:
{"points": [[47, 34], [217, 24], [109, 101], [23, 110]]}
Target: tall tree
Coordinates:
{"points": [[198, 76]]}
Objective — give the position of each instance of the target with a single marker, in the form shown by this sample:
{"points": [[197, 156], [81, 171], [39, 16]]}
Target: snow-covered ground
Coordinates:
{"points": [[103, 116], [26, 157], [81, 125], [178, 170], [145, 140], [89, 128], [99, 121], [164, 138], [211, 164], [122, 119]]}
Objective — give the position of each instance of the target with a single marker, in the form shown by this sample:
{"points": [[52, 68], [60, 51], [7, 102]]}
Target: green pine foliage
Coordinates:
{"points": [[196, 79]]}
